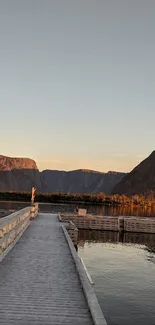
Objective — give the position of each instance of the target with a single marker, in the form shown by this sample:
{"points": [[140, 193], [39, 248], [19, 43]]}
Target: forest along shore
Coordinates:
{"points": [[93, 199]]}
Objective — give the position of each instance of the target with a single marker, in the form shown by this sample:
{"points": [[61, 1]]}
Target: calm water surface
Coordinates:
{"points": [[123, 270], [94, 209]]}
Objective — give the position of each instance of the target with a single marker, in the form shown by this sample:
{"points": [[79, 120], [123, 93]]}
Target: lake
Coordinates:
{"points": [[122, 267], [93, 209], [123, 270]]}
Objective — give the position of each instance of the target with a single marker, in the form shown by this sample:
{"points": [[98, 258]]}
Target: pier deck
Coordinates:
{"points": [[39, 282]]}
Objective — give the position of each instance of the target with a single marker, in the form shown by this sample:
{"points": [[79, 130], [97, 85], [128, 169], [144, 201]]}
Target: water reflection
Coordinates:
{"points": [[11, 206], [92, 209], [122, 268], [122, 210], [96, 236]]}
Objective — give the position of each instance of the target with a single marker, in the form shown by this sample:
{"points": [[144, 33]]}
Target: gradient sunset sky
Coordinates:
{"points": [[77, 82]]}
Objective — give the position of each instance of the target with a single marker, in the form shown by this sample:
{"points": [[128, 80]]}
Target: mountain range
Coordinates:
{"points": [[21, 174], [79, 181]]}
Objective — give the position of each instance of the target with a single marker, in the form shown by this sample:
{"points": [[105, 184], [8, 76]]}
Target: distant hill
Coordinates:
{"points": [[79, 181], [140, 180]]}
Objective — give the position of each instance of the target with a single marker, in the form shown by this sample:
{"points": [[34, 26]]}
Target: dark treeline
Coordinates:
{"points": [[101, 198], [57, 198]]}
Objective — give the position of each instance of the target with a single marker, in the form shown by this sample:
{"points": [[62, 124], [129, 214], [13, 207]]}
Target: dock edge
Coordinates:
{"points": [[94, 307]]}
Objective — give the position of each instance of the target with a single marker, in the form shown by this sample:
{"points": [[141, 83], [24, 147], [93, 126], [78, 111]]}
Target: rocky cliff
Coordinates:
{"points": [[140, 180], [18, 174]]}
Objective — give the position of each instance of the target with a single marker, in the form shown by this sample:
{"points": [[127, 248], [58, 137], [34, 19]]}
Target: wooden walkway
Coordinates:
{"points": [[39, 284]]}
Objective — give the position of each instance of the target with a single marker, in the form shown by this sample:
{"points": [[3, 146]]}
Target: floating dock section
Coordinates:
{"points": [[120, 223]]}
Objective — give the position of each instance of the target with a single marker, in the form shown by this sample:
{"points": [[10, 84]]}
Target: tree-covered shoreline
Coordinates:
{"points": [[93, 199]]}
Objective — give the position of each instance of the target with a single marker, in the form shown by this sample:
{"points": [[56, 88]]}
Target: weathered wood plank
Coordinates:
{"points": [[39, 283]]}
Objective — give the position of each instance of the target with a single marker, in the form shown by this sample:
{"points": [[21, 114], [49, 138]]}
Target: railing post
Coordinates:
{"points": [[120, 224], [34, 210]]}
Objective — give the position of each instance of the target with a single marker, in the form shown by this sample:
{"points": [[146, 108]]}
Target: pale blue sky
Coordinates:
{"points": [[77, 82]]}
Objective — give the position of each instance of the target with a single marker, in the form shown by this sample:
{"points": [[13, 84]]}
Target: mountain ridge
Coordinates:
{"points": [[21, 174], [79, 181], [140, 180]]}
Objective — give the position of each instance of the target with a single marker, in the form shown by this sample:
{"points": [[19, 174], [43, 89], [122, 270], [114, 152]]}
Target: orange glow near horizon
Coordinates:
{"points": [[123, 164]]}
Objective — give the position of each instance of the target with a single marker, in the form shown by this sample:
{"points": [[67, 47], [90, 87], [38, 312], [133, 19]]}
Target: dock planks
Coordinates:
{"points": [[39, 283]]}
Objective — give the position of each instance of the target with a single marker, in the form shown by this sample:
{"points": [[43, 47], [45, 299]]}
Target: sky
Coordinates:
{"points": [[77, 82]]}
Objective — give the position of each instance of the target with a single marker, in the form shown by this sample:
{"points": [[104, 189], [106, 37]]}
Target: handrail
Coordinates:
{"points": [[12, 216], [13, 226]]}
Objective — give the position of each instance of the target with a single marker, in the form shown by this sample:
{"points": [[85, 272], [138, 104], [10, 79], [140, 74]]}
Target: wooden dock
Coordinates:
{"points": [[42, 281], [113, 223]]}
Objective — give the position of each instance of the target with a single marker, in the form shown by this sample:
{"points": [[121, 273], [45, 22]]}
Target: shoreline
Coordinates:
{"points": [[80, 199]]}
